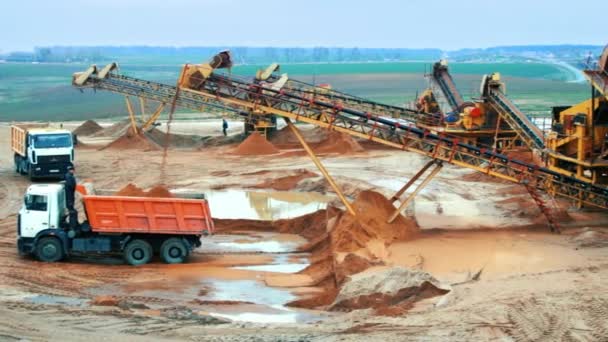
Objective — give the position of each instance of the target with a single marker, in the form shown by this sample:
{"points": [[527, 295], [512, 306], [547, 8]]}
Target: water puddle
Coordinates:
{"points": [[269, 303], [258, 205], [260, 243], [56, 300], [280, 264], [284, 316]]}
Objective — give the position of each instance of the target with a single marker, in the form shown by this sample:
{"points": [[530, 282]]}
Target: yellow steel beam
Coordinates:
{"points": [[411, 181], [154, 116], [131, 115], [411, 196], [320, 166]]}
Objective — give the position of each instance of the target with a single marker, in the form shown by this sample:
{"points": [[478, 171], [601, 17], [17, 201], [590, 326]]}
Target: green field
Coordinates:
{"points": [[43, 91]]}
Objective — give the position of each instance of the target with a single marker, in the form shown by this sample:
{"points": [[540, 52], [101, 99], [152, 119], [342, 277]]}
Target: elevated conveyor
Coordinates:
{"points": [[444, 88], [243, 95], [528, 132]]}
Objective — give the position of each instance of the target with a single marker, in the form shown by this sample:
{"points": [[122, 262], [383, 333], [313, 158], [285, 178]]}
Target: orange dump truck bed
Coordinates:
{"points": [[120, 214]]}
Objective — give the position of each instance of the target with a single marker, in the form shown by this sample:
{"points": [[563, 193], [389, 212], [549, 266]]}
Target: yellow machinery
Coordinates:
{"points": [[272, 96], [578, 142]]}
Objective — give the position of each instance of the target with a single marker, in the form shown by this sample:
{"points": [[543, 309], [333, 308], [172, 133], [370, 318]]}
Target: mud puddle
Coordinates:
{"points": [[260, 205], [280, 264], [259, 242], [225, 278], [260, 303]]}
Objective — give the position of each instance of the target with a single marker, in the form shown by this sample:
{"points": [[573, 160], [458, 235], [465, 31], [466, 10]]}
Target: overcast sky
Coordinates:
{"points": [[374, 23]]}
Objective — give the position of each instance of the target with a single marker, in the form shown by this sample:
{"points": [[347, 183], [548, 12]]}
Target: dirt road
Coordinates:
{"points": [[506, 283]]}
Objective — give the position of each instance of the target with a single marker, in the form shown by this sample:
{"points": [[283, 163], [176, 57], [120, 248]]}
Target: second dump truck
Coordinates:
{"points": [[41, 151], [135, 227]]}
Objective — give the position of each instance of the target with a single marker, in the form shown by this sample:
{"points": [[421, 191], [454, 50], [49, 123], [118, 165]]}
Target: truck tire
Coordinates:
{"points": [[138, 252], [173, 251], [49, 249], [22, 167]]}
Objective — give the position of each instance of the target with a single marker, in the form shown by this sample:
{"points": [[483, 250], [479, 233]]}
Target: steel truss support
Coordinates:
{"points": [[320, 166], [411, 181], [131, 116], [410, 197]]}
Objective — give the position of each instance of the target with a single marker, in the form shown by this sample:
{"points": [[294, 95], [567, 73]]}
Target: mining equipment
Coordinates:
{"points": [[205, 84]]}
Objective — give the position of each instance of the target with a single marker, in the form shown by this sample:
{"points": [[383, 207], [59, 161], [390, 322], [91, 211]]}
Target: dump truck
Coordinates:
{"points": [[136, 228], [41, 152]]}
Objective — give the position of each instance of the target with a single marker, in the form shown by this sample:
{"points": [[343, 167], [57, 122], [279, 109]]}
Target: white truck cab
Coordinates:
{"points": [[43, 208]]}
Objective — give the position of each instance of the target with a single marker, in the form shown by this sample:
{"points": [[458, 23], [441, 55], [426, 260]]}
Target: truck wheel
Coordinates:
{"points": [[22, 167], [49, 249], [138, 252], [173, 251]]}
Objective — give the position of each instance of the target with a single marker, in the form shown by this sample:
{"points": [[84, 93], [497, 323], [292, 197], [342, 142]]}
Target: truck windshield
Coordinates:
{"points": [[52, 140], [35, 202]]}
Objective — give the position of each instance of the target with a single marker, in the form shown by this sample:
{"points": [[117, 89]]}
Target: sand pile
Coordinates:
{"points": [[337, 142], [390, 291], [132, 190], [115, 130], [373, 210], [321, 140], [130, 141], [285, 139], [591, 238], [88, 127], [352, 245], [255, 145], [287, 182], [174, 140]]}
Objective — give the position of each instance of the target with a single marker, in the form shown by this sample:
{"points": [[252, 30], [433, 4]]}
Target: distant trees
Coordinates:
{"points": [[265, 55]]}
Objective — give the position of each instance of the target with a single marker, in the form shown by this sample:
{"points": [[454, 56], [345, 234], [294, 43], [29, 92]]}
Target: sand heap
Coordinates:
{"points": [[88, 127], [321, 140], [174, 140], [340, 246], [337, 142], [352, 244], [285, 139], [390, 291], [130, 141], [117, 129], [255, 145], [132, 190]]}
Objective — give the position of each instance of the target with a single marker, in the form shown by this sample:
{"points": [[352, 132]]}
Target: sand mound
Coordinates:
{"points": [[321, 140], [373, 210], [383, 289], [130, 141], [174, 140], [88, 127], [591, 238], [284, 138], [132, 190], [114, 130], [287, 182], [337, 142], [352, 244], [255, 145]]}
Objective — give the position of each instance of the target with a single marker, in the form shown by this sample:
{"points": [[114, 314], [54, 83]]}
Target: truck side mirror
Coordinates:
{"points": [[74, 139]]}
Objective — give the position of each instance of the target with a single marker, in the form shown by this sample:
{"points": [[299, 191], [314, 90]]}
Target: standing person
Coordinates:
{"points": [[70, 192], [224, 126]]}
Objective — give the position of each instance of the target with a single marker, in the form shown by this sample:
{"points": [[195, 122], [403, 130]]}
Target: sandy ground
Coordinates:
{"points": [[530, 284]]}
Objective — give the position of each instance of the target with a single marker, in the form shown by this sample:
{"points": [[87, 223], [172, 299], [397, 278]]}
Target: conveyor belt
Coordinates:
{"points": [[241, 95], [527, 131], [442, 78]]}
